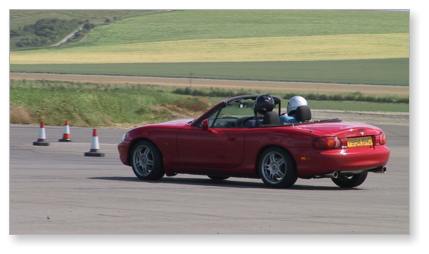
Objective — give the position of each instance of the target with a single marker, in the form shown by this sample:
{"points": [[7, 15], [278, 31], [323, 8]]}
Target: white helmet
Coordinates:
{"points": [[295, 102]]}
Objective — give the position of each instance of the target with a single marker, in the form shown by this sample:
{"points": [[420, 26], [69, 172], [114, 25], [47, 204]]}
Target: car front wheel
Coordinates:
{"points": [[276, 168], [344, 181], [146, 161]]}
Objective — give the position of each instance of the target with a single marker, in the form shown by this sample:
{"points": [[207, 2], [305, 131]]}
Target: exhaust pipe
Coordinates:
{"points": [[336, 174], [380, 170], [330, 175]]}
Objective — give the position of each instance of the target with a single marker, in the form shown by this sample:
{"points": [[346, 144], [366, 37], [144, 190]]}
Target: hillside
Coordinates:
{"points": [[188, 25], [274, 40], [41, 28]]}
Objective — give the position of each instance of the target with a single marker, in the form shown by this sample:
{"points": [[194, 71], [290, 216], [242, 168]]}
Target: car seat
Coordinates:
{"points": [[303, 114], [271, 118], [252, 123]]}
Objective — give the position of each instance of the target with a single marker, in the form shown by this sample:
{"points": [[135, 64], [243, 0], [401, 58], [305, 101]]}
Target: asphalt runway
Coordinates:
{"points": [[56, 190]]}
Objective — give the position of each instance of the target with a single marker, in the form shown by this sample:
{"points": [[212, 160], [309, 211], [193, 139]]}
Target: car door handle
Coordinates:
{"points": [[232, 138]]}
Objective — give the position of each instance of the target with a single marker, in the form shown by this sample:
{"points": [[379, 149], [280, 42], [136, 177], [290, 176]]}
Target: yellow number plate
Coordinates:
{"points": [[359, 142]]}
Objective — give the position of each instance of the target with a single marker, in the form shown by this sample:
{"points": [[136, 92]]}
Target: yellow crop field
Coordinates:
{"points": [[291, 48]]}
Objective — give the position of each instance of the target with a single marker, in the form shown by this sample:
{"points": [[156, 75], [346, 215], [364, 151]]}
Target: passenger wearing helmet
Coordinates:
{"points": [[292, 105]]}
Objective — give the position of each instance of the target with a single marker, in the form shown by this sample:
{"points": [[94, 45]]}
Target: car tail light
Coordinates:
{"points": [[381, 139], [325, 143]]}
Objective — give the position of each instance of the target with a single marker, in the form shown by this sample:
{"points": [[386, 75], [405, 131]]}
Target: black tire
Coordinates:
{"points": [[288, 169], [218, 178], [348, 182], [147, 172]]}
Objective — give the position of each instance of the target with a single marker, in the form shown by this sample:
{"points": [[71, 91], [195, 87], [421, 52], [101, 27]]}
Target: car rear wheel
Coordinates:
{"points": [[218, 178], [277, 168], [146, 161], [344, 181]]}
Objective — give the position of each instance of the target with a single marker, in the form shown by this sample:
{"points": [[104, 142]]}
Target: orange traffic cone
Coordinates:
{"points": [[66, 134], [41, 141], [95, 146]]}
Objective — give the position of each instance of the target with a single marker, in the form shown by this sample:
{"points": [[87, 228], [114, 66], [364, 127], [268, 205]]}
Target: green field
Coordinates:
{"points": [[109, 105], [289, 45], [375, 71], [136, 26], [206, 24], [289, 48]]}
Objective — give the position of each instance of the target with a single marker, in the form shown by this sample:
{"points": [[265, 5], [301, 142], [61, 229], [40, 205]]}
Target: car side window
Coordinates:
{"points": [[232, 114]]}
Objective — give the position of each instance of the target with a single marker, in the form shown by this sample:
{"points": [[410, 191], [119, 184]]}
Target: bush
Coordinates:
{"points": [[31, 42], [48, 27], [14, 33], [212, 92], [43, 32], [355, 96], [88, 26]]}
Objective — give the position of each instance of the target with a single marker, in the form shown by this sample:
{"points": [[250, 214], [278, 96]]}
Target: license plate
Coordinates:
{"points": [[359, 142]]}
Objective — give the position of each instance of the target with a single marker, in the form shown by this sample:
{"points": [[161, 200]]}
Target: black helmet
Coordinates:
{"points": [[264, 103]]}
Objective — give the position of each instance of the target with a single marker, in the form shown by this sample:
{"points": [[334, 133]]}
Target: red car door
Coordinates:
{"points": [[212, 149]]}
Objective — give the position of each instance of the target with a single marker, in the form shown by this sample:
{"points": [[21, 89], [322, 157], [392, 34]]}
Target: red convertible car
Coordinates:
{"points": [[231, 139]]}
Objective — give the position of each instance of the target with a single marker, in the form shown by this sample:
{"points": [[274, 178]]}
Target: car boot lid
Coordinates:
{"points": [[340, 129]]}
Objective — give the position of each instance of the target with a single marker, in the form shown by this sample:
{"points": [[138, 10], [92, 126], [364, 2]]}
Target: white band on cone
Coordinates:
{"points": [[42, 133], [67, 129], [94, 144]]}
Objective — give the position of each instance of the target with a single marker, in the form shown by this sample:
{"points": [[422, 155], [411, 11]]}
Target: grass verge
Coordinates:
{"points": [[96, 105], [87, 104]]}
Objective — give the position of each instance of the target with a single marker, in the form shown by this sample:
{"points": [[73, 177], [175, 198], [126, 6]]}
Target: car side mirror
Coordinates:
{"points": [[205, 124]]}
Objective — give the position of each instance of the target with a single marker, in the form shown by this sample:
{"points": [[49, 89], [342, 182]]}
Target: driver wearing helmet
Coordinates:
{"points": [[292, 105], [263, 104]]}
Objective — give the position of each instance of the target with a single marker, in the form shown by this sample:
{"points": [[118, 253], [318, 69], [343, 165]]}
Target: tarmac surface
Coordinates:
{"points": [[56, 190]]}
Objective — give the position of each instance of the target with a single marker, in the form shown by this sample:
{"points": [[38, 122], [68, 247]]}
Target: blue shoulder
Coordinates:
{"points": [[288, 119]]}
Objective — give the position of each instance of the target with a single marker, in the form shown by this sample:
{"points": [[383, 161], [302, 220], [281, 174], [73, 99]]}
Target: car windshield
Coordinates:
{"points": [[238, 109], [231, 115]]}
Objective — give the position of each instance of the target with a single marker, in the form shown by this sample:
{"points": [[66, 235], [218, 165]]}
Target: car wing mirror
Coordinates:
{"points": [[205, 124]]}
